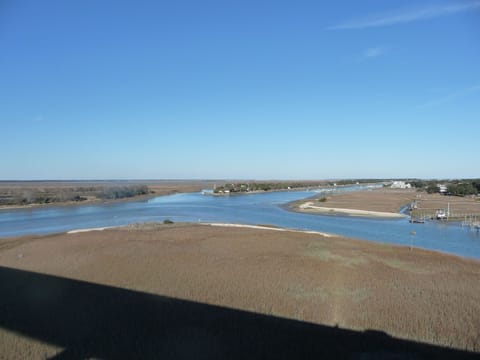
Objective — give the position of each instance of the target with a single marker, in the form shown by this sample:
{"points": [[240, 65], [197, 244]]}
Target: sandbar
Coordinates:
{"points": [[311, 208]]}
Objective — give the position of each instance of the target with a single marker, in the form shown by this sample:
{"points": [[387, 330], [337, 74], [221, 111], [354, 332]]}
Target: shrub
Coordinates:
{"points": [[432, 189], [120, 192]]}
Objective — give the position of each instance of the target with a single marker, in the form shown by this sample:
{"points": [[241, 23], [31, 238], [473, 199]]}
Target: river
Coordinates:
{"points": [[260, 208]]}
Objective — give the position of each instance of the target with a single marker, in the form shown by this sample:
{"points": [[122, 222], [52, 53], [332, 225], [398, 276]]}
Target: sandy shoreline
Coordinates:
{"points": [[311, 208], [245, 226], [377, 203], [261, 227], [76, 231], [387, 203], [156, 225]]}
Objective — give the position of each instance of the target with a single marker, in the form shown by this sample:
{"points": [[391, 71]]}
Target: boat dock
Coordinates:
{"points": [[472, 222]]}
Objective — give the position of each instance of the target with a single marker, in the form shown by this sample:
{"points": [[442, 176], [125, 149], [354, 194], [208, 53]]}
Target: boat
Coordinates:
{"points": [[441, 214], [417, 220]]}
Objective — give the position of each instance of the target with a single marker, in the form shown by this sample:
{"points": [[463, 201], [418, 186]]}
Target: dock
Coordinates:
{"points": [[472, 222]]}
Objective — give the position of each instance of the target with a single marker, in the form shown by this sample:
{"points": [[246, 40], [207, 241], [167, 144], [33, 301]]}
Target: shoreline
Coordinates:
{"points": [[388, 203], [77, 231], [234, 225], [175, 188], [80, 203], [139, 198], [328, 235], [309, 208], [382, 199], [381, 203], [315, 188], [154, 225]]}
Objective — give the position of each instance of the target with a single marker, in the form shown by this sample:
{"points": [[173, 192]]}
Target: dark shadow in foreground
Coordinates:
{"points": [[90, 320]]}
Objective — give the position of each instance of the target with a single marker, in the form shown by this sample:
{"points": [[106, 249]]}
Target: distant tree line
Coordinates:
{"points": [[120, 192], [454, 187], [462, 189], [355, 181], [27, 196], [264, 186]]}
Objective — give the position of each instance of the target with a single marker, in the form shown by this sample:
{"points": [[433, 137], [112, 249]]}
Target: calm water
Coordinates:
{"points": [[264, 208]]}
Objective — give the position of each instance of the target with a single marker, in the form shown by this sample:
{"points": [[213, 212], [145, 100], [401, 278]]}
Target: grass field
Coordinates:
{"points": [[392, 200], [331, 282]]}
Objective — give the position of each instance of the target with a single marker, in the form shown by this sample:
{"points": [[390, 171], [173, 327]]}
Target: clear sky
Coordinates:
{"points": [[239, 89]]}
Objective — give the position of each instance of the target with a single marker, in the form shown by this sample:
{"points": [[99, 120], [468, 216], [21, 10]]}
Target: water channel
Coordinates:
{"points": [[260, 208]]}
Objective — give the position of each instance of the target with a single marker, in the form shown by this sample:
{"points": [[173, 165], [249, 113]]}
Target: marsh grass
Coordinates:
{"points": [[417, 295], [322, 254], [326, 293]]}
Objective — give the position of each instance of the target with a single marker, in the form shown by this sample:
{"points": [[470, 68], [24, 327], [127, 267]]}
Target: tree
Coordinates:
{"points": [[432, 188]]}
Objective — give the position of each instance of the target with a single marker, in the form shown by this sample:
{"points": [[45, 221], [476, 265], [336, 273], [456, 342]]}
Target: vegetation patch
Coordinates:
{"points": [[264, 186], [323, 254], [50, 195], [403, 265], [461, 187], [328, 294]]}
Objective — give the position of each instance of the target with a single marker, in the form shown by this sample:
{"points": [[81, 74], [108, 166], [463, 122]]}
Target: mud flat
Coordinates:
{"points": [[232, 292]]}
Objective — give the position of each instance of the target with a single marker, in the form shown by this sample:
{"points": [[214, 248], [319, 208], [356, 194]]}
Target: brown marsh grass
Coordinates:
{"points": [[410, 294]]}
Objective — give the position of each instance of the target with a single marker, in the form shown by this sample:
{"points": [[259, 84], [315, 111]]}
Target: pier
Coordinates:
{"points": [[466, 212], [472, 222]]}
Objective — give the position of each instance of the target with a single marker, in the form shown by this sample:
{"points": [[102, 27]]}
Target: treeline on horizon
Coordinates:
{"points": [[59, 194], [49, 195], [462, 187], [263, 186], [459, 187], [284, 185]]}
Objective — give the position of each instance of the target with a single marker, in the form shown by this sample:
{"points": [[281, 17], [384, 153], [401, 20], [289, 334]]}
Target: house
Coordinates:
{"points": [[400, 185], [442, 189]]}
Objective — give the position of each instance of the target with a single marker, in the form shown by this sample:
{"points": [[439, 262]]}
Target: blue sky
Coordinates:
{"points": [[239, 89]]}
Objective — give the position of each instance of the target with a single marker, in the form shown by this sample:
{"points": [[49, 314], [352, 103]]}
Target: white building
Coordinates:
{"points": [[442, 188], [400, 185]]}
